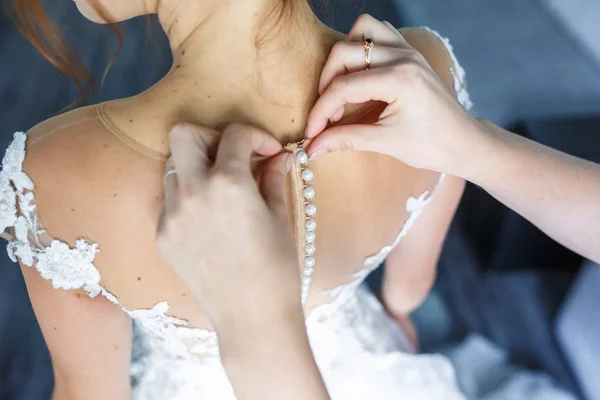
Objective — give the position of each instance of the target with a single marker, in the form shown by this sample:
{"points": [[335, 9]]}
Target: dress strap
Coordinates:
{"points": [[126, 139]]}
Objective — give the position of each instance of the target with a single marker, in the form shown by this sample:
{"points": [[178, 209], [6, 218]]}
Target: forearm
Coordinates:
{"points": [[272, 361], [558, 193]]}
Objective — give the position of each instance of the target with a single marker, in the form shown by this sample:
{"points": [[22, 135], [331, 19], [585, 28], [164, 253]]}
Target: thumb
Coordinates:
{"points": [[191, 149], [347, 137], [273, 187]]}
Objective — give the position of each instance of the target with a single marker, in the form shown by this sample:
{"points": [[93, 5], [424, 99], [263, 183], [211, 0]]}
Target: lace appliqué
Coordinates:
{"points": [[65, 267], [72, 268], [414, 207], [171, 337]]}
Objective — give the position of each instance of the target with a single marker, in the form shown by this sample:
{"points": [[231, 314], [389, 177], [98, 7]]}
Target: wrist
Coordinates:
{"points": [[254, 305], [256, 334], [277, 343], [478, 150], [273, 362]]}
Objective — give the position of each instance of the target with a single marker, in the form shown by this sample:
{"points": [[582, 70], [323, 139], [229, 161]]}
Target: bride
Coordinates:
{"points": [[81, 194]]}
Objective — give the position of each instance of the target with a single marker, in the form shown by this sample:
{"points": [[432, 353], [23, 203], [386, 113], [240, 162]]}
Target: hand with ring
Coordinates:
{"points": [[423, 124]]}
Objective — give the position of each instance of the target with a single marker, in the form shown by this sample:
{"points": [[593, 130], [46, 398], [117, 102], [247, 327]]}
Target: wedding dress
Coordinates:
{"points": [[360, 351]]}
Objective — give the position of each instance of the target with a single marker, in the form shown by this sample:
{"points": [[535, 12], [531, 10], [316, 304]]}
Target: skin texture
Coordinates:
{"points": [[88, 184]]}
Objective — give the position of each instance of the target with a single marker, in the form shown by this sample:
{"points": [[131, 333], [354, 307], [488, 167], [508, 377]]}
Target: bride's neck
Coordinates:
{"points": [[241, 62]]}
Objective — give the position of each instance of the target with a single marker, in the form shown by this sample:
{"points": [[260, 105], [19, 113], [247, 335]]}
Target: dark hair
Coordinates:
{"points": [[32, 21]]}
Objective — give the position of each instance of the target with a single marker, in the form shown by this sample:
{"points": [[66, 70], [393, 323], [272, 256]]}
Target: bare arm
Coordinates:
{"points": [[89, 338], [411, 267], [89, 341], [558, 193]]}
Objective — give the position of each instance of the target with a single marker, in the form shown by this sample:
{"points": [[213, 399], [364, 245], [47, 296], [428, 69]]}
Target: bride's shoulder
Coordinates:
{"points": [[64, 138], [440, 55], [82, 176], [78, 145]]}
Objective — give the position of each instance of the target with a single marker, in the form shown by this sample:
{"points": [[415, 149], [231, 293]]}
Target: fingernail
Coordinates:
{"points": [[307, 132], [338, 115], [179, 130], [316, 154]]}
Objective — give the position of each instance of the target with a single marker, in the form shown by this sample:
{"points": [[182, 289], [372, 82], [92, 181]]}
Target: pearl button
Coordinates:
{"points": [[309, 236], [309, 262], [302, 157], [307, 174], [308, 272], [309, 192], [310, 249], [311, 209], [311, 224]]}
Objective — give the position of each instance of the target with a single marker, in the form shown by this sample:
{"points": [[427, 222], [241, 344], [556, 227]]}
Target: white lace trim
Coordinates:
{"points": [[72, 268], [457, 72], [414, 207], [342, 293], [66, 268]]}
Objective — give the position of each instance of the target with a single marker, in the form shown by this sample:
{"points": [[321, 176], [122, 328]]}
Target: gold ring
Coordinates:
{"points": [[368, 44]]}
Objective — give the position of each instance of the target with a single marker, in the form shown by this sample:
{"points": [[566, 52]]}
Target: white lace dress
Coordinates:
{"points": [[361, 352]]}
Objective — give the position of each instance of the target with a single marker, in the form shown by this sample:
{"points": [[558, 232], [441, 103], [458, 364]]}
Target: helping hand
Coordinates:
{"points": [[423, 125], [232, 246]]}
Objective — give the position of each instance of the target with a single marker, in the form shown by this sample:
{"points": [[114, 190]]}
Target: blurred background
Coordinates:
{"points": [[508, 299]]}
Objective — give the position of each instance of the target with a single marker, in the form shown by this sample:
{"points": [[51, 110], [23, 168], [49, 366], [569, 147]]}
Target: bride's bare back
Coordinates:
{"points": [[95, 178]]}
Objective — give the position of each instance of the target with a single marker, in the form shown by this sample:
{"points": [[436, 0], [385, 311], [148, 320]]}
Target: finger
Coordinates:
{"points": [[348, 137], [338, 115], [391, 27], [367, 26], [348, 57], [191, 147], [378, 84], [238, 143], [273, 185]]}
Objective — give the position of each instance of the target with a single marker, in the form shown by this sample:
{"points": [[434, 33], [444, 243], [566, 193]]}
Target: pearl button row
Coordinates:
{"points": [[309, 235]]}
